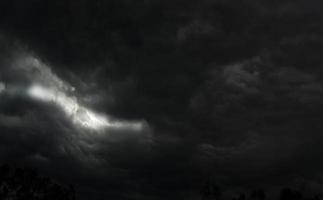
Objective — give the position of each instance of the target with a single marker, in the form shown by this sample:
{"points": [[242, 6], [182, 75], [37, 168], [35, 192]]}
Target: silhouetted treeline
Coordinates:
{"points": [[27, 184], [211, 191]]}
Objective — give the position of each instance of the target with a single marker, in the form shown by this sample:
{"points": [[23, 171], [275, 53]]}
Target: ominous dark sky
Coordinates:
{"points": [[148, 99]]}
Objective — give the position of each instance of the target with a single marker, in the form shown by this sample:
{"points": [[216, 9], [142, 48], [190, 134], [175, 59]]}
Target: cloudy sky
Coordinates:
{"points": [[149, 99]]}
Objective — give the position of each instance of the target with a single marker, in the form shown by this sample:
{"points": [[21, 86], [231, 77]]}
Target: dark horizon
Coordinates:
{"points": [[130, 99]]}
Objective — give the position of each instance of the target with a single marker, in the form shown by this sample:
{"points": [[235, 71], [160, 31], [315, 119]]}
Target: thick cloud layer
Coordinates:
{"points": [[223, 90]]}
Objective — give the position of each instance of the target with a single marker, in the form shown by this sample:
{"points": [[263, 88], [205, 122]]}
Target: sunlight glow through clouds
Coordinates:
{"points": [[79, 114], [48, 87]]}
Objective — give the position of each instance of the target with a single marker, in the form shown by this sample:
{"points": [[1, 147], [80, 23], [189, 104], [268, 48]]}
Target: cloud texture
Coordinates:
{"points": [[231, 90]]}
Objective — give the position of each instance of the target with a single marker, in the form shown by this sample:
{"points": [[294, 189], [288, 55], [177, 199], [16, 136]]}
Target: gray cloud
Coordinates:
{"points": [[225, 89]]}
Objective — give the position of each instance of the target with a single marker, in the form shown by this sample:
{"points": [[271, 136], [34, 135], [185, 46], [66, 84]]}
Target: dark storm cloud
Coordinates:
{"points": [[40, 134], [229, 89]]}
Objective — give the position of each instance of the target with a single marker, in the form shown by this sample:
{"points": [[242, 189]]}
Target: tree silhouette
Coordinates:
{"points": [[241, 196], [26, 184], [211, 191], [290, 194], [318, 197], [258, 194]]}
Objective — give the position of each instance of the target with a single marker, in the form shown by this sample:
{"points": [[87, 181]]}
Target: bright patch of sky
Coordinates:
{"points": [[48, 87]]}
